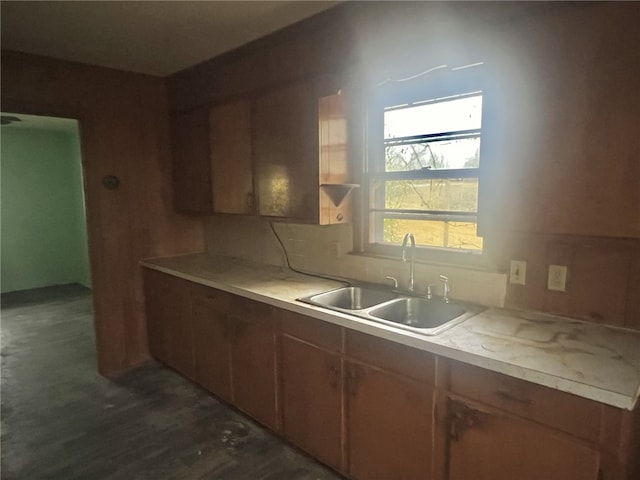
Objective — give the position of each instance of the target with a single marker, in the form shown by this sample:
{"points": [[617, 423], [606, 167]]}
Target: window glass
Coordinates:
{"points": [[425, 178], [442, 154], [446, 194], [433, 233], [434, 116]]}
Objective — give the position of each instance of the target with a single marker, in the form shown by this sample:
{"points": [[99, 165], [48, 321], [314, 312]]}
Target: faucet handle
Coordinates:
{"points": [[394, 280], [445, 292], [429, 294]]}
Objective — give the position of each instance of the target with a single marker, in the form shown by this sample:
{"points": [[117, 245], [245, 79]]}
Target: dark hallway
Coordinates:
{"points": [[61, 420]]}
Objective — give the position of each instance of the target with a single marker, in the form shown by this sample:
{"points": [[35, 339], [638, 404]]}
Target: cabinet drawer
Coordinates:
{"points": [[569, 413], [322, 334], [391, 356], [250, 311], [218, 300]]}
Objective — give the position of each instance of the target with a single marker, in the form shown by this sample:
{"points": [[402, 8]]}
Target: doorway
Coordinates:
{"points": [[43, 217]]}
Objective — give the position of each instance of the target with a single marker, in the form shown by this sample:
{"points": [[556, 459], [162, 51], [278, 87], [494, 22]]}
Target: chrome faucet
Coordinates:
{"points": [[412, 265]]}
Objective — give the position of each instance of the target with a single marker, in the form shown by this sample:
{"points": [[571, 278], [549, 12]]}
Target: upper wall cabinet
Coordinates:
{"points": [[212, 159], [286, 146], [231, 157], [300, 148], [291, 141], [191, 161]]}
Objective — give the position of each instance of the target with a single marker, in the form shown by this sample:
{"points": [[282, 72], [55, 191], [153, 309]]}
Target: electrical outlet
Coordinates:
{"points": [[518, 272], [557, 279], [334, 249]]}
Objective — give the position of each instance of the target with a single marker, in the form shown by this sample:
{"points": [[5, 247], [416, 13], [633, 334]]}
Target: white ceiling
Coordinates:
{"points": [[153, 37]]}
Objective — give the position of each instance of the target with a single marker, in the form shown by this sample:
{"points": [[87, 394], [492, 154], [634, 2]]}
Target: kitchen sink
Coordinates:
{"points": [[417, 314], [351, 298]]}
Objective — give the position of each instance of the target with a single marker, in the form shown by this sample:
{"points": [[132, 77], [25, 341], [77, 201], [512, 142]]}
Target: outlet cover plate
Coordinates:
{"points": [[557, 279]]}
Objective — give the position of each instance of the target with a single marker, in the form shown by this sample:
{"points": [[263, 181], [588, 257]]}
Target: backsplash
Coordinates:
{"points": [[603, 279], [324, 250]]}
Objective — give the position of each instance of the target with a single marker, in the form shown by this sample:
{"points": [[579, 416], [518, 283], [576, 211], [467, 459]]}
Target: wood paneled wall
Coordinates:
{"points": [[313, 47], [124, 132], [562, 130], [603, 281]]}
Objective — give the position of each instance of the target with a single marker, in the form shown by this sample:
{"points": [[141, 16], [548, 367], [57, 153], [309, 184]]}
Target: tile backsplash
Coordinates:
{"points": [[325, 250], [603, 280]]}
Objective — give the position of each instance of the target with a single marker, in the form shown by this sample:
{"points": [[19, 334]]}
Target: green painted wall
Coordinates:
{"points": [[43, 224]]}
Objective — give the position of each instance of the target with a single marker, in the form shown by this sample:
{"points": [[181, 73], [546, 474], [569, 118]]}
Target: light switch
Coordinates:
{"points": [[518, 272]]}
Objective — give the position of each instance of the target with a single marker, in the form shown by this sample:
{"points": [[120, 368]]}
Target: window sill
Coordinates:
{"points": [[470, 260]]}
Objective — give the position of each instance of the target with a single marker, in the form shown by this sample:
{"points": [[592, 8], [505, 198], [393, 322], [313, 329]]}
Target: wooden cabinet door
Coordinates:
{"points": [[485, 445], [211, 342], [390, 426], [312, 399], [156, 289], [190, 147], [286, 152], [253, 359], [231, 157], [169, 321]]}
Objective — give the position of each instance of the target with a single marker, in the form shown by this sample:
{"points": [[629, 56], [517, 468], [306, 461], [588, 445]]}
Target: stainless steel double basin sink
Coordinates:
{"points": [[417, 314]]}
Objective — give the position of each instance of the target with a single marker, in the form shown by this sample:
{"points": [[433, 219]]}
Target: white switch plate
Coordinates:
{"points": [[334, 249], [557, 279], [518, 272]]}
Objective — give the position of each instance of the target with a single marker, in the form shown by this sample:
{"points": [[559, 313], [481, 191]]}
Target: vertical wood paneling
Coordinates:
{"points": [[124, 132], [603, 282]]}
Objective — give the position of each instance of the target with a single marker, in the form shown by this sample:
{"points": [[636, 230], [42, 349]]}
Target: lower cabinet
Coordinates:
{"points": [[374, 409], [389, 425], [486, 444], [169, 321], [211, 340], [312, 399], [253, 376], [224, 342]]}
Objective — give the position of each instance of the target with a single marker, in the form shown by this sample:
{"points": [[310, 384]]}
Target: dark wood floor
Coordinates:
{"points": [[61, 420]]}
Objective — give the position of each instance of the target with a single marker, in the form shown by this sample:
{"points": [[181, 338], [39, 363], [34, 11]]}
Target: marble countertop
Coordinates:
{"points": [[598, 362]]}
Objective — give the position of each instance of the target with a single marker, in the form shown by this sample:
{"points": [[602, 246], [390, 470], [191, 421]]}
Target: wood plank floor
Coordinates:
{"points": [[61, 420]]}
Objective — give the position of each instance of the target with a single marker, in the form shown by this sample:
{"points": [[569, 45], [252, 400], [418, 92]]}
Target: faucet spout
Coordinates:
{"points": [[409, 238]]}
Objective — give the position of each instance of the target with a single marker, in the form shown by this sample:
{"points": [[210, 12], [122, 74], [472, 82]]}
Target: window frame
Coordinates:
{"points": [[442, 84]]}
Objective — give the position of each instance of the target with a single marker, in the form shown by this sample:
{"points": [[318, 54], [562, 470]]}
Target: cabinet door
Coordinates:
{"points": [[169, 321], [156, 289], [211, 341], [231, 157], [489, 446], [390, 426], [312, 399], [334, 167], [190, 147], [286, 152], [253, 359]]}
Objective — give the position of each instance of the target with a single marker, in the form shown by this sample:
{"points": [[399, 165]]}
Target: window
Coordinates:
{"points": [[424, 169]]}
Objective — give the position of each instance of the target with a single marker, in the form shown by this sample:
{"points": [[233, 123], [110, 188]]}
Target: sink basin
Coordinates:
{"points": [[418, 312], [351, 298]]}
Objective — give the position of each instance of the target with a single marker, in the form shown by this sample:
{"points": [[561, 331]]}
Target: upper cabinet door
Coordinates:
{"points": [[190, 147], [286, 152], [231, 157]]}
